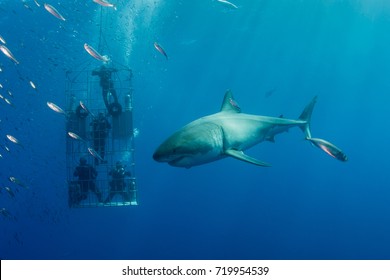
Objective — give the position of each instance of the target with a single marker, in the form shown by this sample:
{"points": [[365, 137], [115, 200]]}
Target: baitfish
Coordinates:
{"points": [[94, 154], [105, 4], [33, 85], [6, 214], [228, 4], [53, 11], [13, 139], [75, 136], [328, 148], [8, 53], [10, 192], [95, 54], [86, 108], [55, 108], [8, 101], [160, 49], [17, 182], [2, 40]]}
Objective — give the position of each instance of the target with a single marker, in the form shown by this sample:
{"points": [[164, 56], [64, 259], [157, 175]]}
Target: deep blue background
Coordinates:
{"points": [[307, 206]]}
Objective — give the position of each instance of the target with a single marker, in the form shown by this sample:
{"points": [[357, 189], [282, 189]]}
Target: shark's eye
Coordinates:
{"points": [[177, 150]]}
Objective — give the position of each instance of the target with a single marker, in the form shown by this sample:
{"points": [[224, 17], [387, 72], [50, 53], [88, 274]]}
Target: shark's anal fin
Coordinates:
{"points": [[241, 156]]}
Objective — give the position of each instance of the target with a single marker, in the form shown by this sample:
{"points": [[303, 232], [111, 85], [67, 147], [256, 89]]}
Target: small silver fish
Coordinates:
{"points": [[13, 139], [75, 136], [329, 148], [17, 182], [160, 49], [95, 54], [6, 214], [8, 53], [105, 4], [86, 108], [94, 154], [8, 101], [10, 192], [5, 148], [2, 40], [228, 4], [33, 85], [56, 108], [53, 11]]}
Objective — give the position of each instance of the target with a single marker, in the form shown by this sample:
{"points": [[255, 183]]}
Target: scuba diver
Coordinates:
{"points": [[87, 175], [100, 127], [118, 185], [107, 85]]}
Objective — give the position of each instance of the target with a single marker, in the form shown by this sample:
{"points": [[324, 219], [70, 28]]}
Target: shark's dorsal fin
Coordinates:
{"points": [[229, 104], [241, 156]]}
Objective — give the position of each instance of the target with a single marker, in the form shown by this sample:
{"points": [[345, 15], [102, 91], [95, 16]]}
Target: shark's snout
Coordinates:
{"points": [[157, 156], [163, 154], [175, 154]]}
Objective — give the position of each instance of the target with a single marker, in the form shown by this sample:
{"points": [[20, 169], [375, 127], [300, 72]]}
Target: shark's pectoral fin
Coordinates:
{"points": [[241, 156]]}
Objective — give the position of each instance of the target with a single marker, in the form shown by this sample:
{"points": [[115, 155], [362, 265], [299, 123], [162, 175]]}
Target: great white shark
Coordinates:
{"points": [[229, 133]]}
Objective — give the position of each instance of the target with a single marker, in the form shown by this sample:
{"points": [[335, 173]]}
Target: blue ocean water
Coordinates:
{"points": [[275, 56]]}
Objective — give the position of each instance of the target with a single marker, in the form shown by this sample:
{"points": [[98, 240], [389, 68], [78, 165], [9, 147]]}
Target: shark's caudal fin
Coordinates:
{"points": [[306, 116]]}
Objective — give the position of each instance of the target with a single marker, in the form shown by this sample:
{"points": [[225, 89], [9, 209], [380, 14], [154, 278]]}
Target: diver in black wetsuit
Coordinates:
{"points": [[107, 85], [118, 185], [87, 175], [100, 127]]}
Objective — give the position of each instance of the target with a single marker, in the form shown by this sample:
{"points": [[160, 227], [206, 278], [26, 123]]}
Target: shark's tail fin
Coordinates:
{"points": [[306, 116]]}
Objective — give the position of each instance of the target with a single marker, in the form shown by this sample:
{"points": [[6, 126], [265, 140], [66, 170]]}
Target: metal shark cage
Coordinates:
{"points": [[91, 96]]}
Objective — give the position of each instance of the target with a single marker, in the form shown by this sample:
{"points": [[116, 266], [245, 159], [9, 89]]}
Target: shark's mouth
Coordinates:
{"points": [[177, 161]]}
